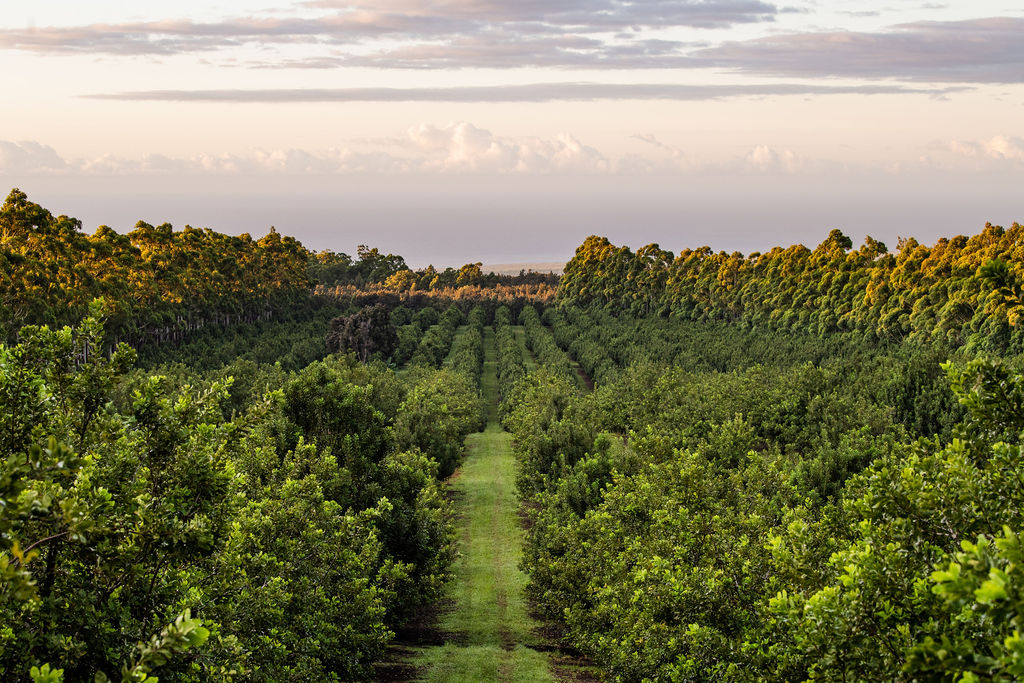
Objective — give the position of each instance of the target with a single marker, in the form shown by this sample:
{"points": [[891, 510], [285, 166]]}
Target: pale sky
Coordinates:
{"points": [[456, 130]]}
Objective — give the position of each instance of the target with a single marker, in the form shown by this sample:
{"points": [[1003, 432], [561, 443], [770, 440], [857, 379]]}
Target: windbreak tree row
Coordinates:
{"points": [[918, 292], [158, 285], [145, 524], [162, 286]]}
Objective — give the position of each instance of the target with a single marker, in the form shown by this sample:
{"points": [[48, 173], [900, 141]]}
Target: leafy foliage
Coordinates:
{"points": [[763, 511], [467, 354], [541, 342], [299, 527], [919, 292], [368, 333], [510, 356], [437, 414], [158, 285], [436, 342]]}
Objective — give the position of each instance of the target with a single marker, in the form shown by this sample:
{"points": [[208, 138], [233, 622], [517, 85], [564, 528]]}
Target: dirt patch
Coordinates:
{"points": [[507, 638], [396, 670], [505, 669], [584, 377], [567, 663], [454, 496], [526, 512], [420, 631], [574, 673]]}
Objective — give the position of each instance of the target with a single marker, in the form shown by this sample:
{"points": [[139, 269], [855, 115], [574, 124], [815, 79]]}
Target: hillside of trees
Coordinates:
{"points": [[795, 466]]}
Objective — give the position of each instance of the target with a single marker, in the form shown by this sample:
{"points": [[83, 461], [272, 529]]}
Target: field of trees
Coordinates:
{"points": [[233, 459]]}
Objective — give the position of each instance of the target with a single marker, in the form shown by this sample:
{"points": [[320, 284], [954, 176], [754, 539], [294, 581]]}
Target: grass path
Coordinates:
{"points": [[491, 635]]}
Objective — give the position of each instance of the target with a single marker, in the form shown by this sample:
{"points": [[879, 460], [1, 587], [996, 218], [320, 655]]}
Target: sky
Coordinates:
{"points": [[462, 130]]}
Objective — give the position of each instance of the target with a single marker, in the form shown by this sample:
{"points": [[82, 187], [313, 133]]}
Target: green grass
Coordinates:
{"points": [[489, 619]]}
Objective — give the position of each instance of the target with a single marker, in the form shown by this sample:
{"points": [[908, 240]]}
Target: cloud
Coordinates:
{"points": [[461, 148], [444, 33], [676, 156], [534, 92], [583, 14], [655, 142], [999, 148], [585, 34], [970, 51], [765, 159], [28, 158], [508, 47], [183, 36], [295, 162], [761, 160], [454, 148]]}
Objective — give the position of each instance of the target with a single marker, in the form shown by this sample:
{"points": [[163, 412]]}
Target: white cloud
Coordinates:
{"points": [[29, 157], [1000, 148], [454, 148], [765, 159], [760, 160], [461, 147], [464, 148]]}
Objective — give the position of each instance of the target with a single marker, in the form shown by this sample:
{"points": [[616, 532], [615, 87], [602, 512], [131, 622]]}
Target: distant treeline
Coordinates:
{"points": [[919, 292], [465, 297], [376, 271]]}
